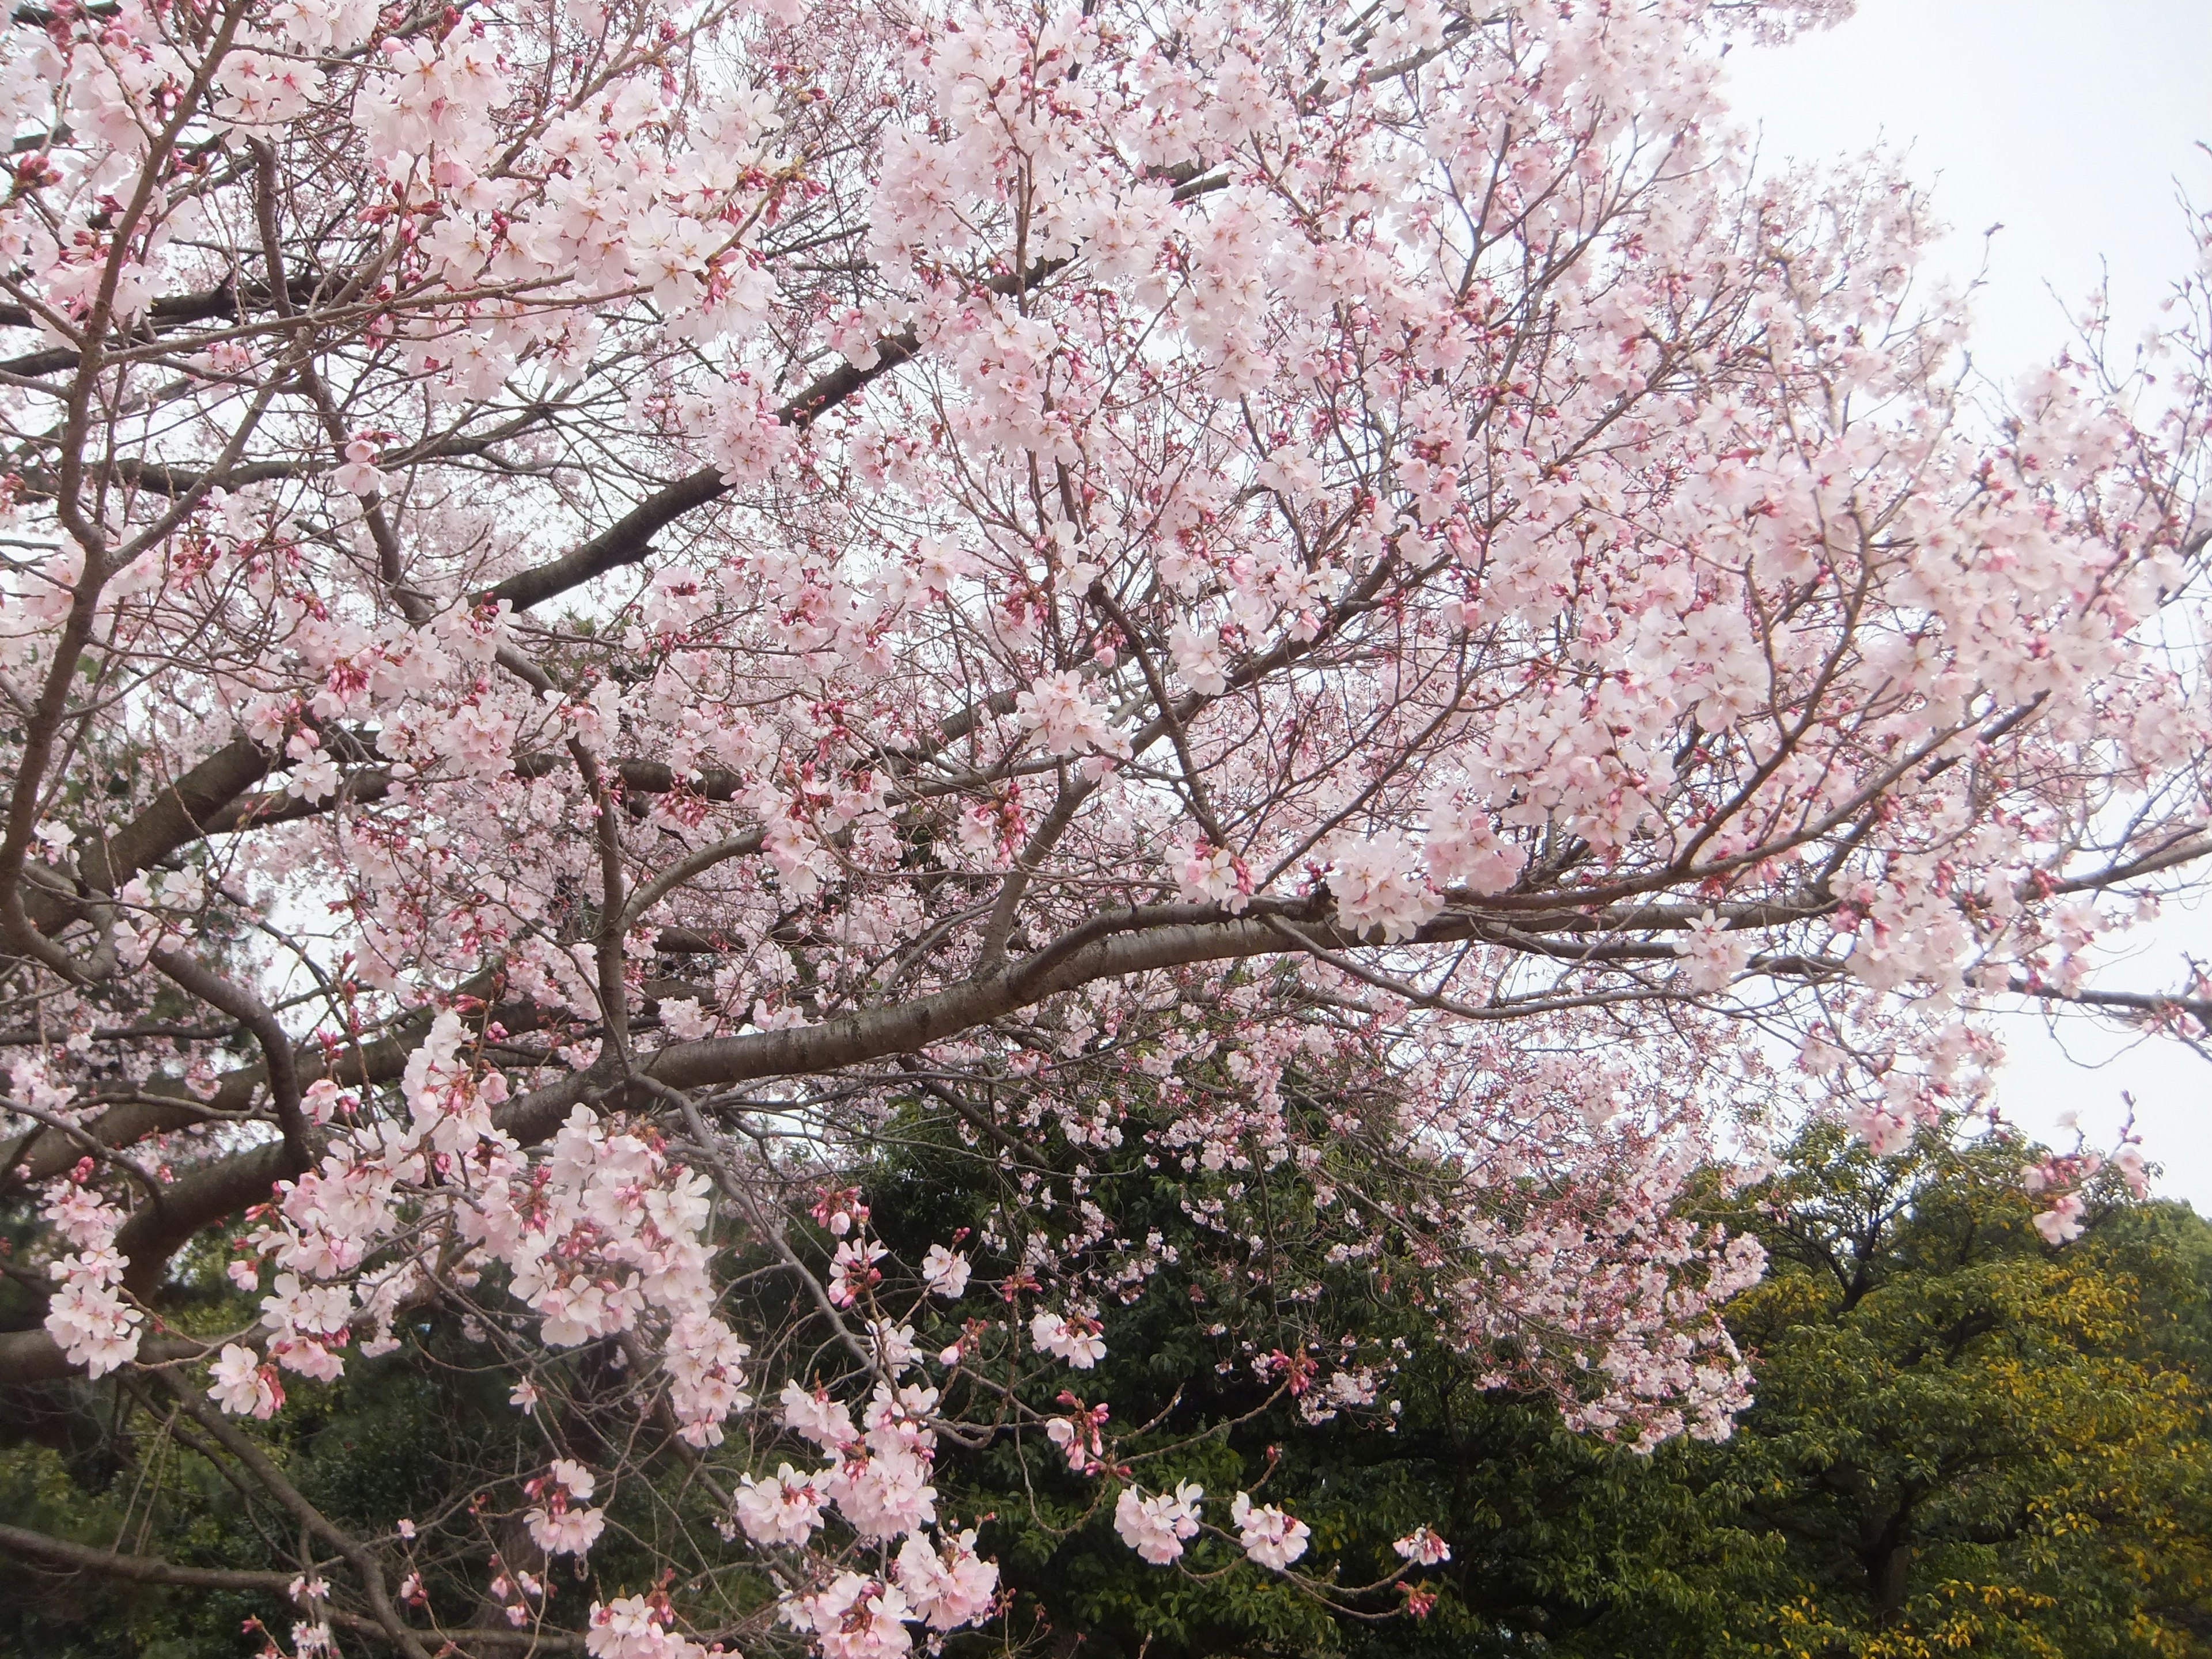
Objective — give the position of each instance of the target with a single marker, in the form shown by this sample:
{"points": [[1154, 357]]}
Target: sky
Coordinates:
{"points": [[2075, 127]]}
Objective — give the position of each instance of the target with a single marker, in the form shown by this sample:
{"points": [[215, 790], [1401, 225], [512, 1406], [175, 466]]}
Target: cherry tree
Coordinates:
{"points": [[613, 609]]}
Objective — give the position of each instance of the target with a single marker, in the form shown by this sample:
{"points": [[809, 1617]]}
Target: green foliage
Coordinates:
{"points": [[1965, 1441], [1187, 1401], [405, 1434], [1971, 1441]]}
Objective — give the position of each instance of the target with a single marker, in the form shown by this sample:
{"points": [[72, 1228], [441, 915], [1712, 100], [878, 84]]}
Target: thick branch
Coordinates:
{"points": [[276, 1051], [224, 301], [62, 1556], [41, 1154], [631, 537], [178, 815]]}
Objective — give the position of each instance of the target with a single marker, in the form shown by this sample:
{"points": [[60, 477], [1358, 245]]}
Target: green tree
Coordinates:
{"points": [[1971, 1440], [1965, 1441]]}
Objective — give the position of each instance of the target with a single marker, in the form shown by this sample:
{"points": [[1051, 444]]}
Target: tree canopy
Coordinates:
{"points": [[1328, 648]]}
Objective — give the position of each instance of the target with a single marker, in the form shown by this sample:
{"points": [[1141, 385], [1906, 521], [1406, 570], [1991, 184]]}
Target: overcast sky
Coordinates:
{"points": [[2075, 126]]}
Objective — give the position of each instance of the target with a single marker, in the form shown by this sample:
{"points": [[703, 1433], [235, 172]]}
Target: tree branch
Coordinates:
{"points": [[63, 1556]]}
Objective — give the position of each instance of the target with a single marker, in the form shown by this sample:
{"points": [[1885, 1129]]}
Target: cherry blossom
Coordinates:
{"points": [[783, 1509], [92, 1324], [855, 1618], [948, 1585], [885, 1495], [2062, 1222], [1070, 723], [359, 475], [945, 1271], [88, 1317], [1376, 883], [1712, 957], [811, 1413], [1422, 1547], [1080, 1437], [854, 1269], [636, 1627], [1073, 1338], [1270, 1537], [618, 616], [558, 1524], [1156, 1527], [243, 1385]]}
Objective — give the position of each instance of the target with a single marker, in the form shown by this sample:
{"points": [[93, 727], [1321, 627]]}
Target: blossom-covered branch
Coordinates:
{"points": [[619, 622]]}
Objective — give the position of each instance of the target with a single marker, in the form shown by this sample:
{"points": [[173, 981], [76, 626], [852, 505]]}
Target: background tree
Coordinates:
{"points": [[615, 610], [1965, 1439], [1971, 1439]]}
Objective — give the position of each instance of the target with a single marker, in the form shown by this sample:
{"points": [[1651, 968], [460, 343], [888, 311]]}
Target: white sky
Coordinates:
{"points": [[2073, 124]]}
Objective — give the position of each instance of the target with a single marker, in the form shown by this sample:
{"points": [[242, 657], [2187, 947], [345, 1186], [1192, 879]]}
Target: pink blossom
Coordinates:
{"points": [[1049, 602], [359, 475], [1463, 850], [1073, 1338], [1376, 883], [636, 1627], [557, 1525], [946, 1584], [2062, 1222], [1156, 1527], [2128, 1160], [244, 1386], [1213, 875], [855, 1618], [1072, 724], [883, 1493], [811, 1413], [1198, 659], [1270, 1537], [1712, 954], [853, 1269], [945, 1272], [783, 1510], [92, 1324], [684, 1020], [1422, 1547]]}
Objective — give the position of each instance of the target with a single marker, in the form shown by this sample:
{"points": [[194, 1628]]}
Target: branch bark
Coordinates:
{"points": [[60, 1555]]}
